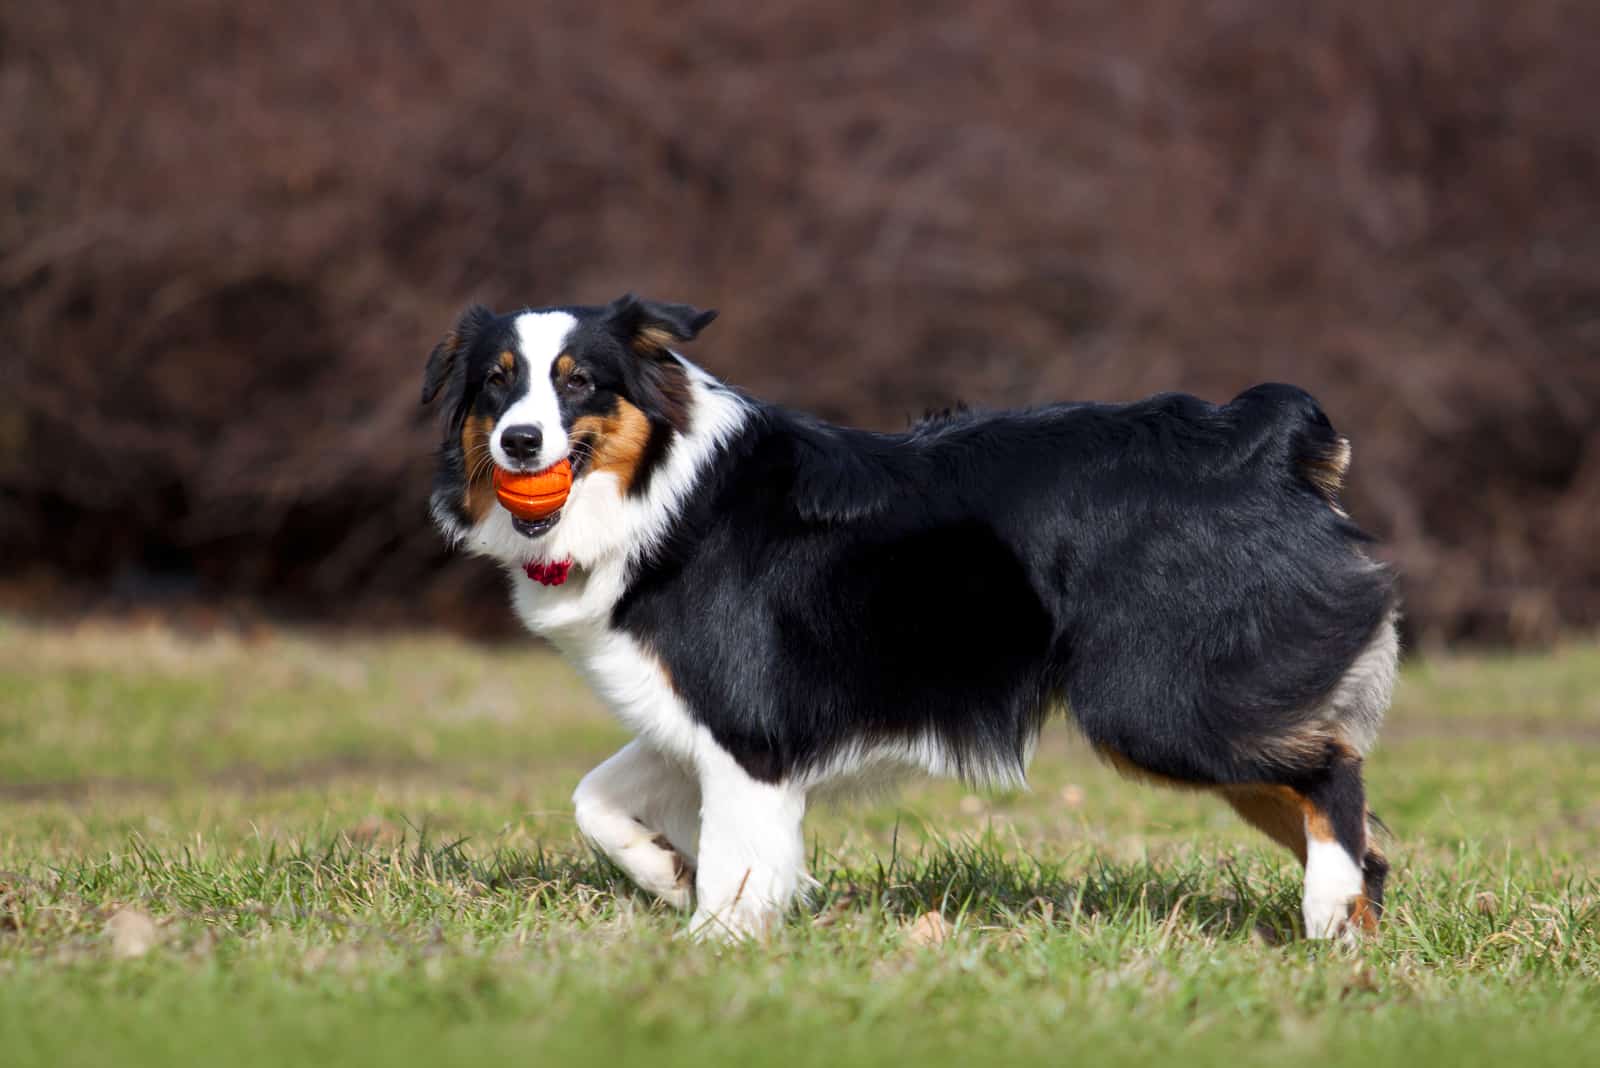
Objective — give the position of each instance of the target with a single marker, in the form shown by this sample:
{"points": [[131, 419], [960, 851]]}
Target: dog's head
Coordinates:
{"points": [[599, 386]]}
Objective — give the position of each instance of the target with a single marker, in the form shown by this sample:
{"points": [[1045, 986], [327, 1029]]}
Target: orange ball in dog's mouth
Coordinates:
{"points": [[534, 496]]}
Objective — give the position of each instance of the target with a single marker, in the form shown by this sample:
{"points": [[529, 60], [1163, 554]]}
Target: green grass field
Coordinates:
{"points": [[306, 849]]}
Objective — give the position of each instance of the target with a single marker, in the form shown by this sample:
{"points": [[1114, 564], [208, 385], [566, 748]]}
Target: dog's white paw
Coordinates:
{"points": [[737, 922], [653, 864], [1328, 916], [1334, 892]]}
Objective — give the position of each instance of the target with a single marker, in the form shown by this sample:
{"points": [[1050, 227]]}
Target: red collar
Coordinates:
{"points": [[549, 574]]}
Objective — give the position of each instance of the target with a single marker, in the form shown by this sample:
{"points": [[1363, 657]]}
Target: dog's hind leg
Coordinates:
{"points": [[1323, 820], [641, 809], [1335, 808], [1320, 815], [1311, 799]]}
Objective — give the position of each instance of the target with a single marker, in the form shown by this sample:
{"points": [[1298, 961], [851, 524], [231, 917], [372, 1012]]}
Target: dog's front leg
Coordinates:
{"points": [[639, 808], [752, 854]]}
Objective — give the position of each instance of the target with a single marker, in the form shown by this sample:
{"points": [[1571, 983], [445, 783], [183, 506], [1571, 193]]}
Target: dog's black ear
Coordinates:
{"points": [[457, 341], [651, 326]]}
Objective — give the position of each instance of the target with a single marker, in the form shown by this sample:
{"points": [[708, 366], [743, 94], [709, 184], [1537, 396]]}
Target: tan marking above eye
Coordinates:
{"points": [[565, 365], [508, 362]]}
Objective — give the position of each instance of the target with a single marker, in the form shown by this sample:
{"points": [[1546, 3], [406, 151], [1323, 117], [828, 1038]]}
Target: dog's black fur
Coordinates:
{"points": [[1166, 570], [1175, 574]]}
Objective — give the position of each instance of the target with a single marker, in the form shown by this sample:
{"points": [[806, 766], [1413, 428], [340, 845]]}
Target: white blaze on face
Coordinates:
{"points": [[541, 337]]}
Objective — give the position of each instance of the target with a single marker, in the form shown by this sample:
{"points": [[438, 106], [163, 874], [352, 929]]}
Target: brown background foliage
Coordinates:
{"points": [[232, 232]]}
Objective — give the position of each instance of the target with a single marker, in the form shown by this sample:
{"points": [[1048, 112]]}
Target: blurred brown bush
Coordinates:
{"points": [[233, 231]]}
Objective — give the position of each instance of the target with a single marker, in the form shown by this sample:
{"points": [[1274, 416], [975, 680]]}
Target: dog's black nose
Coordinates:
{"points": [[522, 443]]}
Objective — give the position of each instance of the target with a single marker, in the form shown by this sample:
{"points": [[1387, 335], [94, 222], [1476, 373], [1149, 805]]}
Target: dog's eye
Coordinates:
{"points": [[498, 377], [577, 380]]}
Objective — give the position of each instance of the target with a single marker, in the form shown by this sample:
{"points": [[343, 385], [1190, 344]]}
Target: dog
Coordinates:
{"points": [[775, 605]]}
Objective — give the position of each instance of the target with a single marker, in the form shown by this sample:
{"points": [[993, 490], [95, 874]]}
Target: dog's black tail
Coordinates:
{"points": [[1318, 454], [1322, 459]]}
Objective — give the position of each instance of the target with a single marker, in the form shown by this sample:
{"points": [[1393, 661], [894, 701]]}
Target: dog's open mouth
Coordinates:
{"points": [[532, 528]]}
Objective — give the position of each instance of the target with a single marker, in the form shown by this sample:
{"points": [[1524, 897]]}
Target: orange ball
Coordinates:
{"points": [[537, 495]]}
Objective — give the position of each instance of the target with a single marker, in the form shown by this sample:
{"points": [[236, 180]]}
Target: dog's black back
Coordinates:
{"points": [[1177, 573]]}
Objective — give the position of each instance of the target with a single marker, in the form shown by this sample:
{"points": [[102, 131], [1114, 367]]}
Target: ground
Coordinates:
{"points": [[302, 848]]}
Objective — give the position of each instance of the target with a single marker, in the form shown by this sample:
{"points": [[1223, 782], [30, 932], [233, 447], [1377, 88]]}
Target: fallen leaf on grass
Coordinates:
{"points": [[1262, 935], [340, 958], [1362, 981], [931, 929], [14, 889], [375, 831], [837, 912], [133, 933]]}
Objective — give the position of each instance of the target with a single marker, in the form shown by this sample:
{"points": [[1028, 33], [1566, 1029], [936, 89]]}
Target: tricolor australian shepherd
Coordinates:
{"points": [[774, 604]]}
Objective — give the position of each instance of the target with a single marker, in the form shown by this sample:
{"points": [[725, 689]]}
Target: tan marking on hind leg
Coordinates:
{"points": [[1337, 901], [1273, 810]]}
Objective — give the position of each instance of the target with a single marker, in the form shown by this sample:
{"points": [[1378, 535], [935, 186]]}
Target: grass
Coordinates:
{"points": [[361, 851]]}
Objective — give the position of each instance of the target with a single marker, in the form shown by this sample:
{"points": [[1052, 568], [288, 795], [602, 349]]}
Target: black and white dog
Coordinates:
{"points": [[774, 604]]}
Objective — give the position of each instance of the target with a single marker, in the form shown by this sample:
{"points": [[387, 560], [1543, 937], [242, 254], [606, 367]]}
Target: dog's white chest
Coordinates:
{"points": [[629, 679]]}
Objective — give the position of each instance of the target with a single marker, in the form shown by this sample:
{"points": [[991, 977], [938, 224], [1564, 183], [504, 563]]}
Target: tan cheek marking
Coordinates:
{"points": [[617, 441], [479, 495]]}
